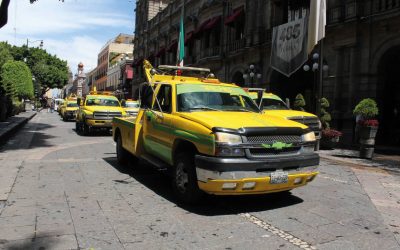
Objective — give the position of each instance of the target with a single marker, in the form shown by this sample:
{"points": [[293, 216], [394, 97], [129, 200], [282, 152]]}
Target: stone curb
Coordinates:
{"points": [[363, 164], [12, 128]]}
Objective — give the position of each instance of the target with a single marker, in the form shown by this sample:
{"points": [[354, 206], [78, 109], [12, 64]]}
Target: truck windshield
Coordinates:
{"points": [[212, 97], [132, 105], [102, 102], [273, 104], [72, 104]]}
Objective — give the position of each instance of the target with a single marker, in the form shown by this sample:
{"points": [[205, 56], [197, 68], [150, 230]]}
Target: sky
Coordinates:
{"points": [[75, 30]]}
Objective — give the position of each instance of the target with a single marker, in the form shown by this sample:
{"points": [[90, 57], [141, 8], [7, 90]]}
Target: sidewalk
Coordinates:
{"points": [[387, 162], [12, 124]]}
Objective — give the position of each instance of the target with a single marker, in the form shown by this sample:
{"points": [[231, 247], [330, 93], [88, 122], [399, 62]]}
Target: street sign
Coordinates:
{"points": [[289, 46]]}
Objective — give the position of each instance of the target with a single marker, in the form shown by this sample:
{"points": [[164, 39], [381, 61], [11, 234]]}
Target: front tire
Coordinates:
{"points": [[184, 179], [85, 129]]}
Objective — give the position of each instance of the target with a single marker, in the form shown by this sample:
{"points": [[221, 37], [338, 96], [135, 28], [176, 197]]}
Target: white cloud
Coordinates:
{"points": [[70, 30]]}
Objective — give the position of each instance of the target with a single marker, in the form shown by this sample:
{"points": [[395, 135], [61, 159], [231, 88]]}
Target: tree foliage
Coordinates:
{"points": [[49, 70], [5, 54], [16, 79]]}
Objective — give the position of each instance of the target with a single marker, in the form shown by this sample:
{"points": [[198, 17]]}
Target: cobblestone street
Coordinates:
{"points": [[60, 190]]}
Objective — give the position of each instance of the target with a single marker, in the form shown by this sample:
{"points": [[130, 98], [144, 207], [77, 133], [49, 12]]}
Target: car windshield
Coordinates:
{"points": [[210, 97], [102, 102], [132, 105], [273, 104], [72, 104]]}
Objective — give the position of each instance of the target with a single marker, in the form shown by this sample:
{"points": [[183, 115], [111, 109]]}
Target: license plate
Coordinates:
{"points": [[279, 178]]}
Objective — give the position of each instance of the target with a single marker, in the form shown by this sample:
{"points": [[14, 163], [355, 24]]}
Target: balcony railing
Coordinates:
{"points": [[384, 5], [237, 45], [210, 52]]}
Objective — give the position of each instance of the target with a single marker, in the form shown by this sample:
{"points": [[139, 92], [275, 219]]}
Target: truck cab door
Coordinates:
{"points": [[158, 130]]}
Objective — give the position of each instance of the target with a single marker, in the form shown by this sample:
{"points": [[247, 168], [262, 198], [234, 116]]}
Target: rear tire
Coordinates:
{"points": [[184, 179], [122, 154]]}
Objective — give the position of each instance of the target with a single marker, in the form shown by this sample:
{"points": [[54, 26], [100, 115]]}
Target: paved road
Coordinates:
{"points": [[65, 191]]}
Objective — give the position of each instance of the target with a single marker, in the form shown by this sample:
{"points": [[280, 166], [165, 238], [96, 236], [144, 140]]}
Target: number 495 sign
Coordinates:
{"points": [[289, 46]]}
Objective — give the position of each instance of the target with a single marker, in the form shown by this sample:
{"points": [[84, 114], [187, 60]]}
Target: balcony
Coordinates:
{"points": [[237, 45], [342, 13], [211, 52], [384, 5]]}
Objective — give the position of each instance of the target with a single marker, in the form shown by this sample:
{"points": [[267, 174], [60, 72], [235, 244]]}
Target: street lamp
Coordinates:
{"points": [[317, 86], [36, 91], [41, 43], [251, 73]]}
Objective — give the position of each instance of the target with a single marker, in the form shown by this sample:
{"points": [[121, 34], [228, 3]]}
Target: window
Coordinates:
{"points": [[164, 98]]}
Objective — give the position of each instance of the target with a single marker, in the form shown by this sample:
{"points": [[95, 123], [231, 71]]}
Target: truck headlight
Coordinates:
{"points": [[309, 137], [89, 116], [227, 138], [319, 124]]}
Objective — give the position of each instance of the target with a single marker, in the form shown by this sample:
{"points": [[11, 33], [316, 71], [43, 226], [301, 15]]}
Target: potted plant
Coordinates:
{"points": [[367, 126], [299, 102], [330, 137]]}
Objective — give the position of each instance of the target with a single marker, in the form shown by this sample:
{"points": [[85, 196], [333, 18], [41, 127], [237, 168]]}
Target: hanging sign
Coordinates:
{"points": [[289, 46]]}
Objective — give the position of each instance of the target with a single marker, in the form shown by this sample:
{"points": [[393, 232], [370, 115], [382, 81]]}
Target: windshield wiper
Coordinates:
{"points": [[203, 108], [239, 109]]}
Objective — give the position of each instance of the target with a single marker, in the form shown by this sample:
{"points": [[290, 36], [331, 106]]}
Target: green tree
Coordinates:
{"points": [[299, 102], [5, 54], [16, 79]]}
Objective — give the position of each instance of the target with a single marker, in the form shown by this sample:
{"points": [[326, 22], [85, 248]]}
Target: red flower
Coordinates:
{"points": [[331, 133], [369, 123]]}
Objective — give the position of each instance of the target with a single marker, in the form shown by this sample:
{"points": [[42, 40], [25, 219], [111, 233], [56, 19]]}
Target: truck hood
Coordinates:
{"points": [[288, 113], [237, 120], [104, 109]]}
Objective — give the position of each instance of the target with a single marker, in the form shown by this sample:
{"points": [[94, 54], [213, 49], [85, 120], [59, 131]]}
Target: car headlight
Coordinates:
{"points": [[227, 138], [309, 137]]}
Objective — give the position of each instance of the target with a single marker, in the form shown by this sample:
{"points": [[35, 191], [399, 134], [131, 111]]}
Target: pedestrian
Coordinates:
{"points": [[52, 106]]}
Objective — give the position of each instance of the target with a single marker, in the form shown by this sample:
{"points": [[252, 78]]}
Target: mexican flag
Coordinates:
{"points": [[181, 41]]}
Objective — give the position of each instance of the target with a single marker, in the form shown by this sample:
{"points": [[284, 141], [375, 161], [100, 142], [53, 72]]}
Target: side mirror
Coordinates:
{"points": [[123, 103], [78, 101]]}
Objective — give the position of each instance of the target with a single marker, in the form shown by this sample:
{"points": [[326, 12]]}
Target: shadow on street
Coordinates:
{"points": [[160, 183], [39, 139]]}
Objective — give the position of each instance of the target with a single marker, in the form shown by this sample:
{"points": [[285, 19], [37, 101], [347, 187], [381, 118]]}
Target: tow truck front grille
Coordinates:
{"points": [[274, 138], [106, 115], [260, 144], [311, 122]]}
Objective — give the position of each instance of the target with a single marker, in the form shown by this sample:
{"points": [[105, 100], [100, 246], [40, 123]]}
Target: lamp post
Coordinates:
{"points": [[27, 43], [251, 73], [318, 79], [36, 91]]}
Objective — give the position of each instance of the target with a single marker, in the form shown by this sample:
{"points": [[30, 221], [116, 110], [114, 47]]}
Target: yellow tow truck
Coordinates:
{"points": [[213, 138], [69, 108], [273, 105], [96, 111], [131, 107]]}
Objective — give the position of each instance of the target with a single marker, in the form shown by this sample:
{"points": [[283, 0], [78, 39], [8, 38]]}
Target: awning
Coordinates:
{"points": [[128, 72], [188, 37], [212, 23], [173, 45], [160, 52], [236, 13]]}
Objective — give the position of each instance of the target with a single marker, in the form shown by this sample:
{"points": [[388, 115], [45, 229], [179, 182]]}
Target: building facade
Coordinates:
{"points": [[122, 44], [360, 49]]}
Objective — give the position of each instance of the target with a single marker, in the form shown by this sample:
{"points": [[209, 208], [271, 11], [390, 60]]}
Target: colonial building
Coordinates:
{"points": [[119, 76], [122, 44], [361, 50]]}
